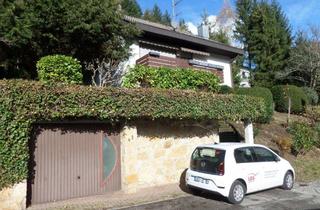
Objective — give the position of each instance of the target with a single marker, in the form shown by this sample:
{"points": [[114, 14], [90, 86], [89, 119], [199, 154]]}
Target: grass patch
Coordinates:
{"points": [[307, 168]]}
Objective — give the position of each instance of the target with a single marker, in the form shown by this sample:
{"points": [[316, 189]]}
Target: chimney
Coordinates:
{"points": [[203, 31]]}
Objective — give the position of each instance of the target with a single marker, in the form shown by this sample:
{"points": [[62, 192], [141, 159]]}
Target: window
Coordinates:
{"points": [[207, 160], [243, 155], [109, 157], [264, 155]]}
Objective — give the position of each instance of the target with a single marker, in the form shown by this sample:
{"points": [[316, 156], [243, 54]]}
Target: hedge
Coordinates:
{"points": [[264, 93], [25, 102], [225, 89], [168, 78], [281, 93]]}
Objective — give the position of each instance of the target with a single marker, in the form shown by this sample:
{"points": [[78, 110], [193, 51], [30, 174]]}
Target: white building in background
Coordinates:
{"points": [[244, 77]]}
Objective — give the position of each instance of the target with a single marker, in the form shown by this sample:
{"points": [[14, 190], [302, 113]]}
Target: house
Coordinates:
{"points": [[160, 45], [244, 77]]}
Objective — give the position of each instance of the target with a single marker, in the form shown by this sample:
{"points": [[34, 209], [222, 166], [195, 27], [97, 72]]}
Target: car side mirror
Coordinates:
{"points": [[277, 159]]}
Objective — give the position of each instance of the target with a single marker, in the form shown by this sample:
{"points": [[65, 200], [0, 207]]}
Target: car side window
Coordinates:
{"points": [[264, 155], [243, 155]]}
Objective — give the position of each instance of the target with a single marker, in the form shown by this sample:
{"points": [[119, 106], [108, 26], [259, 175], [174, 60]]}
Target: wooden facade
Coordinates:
{"points": [[160, 60]]}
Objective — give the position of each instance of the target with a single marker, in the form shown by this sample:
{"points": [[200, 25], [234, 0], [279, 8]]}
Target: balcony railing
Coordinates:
{"points": [[156, 60]]}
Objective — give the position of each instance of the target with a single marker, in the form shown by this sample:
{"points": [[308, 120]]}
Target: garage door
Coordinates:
{"points": [[74, 161]]}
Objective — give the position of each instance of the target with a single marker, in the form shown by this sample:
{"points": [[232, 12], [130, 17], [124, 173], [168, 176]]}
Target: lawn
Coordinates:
{"points": [[308, 166]]}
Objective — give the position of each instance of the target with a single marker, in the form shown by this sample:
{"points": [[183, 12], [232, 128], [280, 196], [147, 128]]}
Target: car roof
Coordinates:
{"points": [[228, 146]]}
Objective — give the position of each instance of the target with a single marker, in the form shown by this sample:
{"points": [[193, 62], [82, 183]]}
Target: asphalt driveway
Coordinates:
{"points": [[301, 197]]}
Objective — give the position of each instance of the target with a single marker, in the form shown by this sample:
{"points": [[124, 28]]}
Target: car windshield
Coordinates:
{"points": [[207, 160]]}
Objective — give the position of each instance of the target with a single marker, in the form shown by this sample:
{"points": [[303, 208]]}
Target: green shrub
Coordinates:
{"points": [[59, 68], [166, 78], [317, 130], [264, 93], [313, 113], [312, 95], [225, 89], [281, 93], [303, 137], [24, 102]]}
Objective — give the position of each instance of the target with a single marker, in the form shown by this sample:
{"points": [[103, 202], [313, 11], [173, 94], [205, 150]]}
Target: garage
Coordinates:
{"points": [[73, 160]]}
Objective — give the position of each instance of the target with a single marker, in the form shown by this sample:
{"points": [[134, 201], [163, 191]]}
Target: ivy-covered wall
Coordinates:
{"points": [[25, 102]]}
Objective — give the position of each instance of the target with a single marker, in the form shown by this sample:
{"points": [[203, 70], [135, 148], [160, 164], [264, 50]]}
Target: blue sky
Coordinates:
{"points": [[300, 13]]}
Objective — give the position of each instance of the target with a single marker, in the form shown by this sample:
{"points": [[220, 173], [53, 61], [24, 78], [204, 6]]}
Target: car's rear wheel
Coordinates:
{"points": [[194, 191], [288, 181], [237, 192]]}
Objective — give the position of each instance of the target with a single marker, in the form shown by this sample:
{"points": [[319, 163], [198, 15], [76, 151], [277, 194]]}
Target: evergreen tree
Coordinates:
{"points": [[265, 33], [157, 14], [242, 32], [183, 26], [147, 15], [154, 15], [166, 19], [220, 36], [131, 7], [86, 30]]}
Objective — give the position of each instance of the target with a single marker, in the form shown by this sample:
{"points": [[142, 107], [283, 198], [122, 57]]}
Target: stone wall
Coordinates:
{"points": [[14, 198], [157, 153]]}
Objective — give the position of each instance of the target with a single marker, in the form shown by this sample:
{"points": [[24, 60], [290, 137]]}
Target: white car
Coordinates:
{"points": [[235, 169]]}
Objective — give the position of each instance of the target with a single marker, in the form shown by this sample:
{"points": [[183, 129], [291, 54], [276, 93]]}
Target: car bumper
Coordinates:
{"points": [[208, 183]]}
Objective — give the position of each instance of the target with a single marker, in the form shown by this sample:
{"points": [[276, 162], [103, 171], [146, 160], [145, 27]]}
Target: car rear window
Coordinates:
{"points": [[207, 160]]}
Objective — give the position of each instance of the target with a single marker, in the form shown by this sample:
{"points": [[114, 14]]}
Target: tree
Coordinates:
{"points": [[205, 18], [166, 19], [156, 14], [304, 62], [265, 33], [183, 26], [244, 9], [220, 36], [131, 7], [14, 35], [147, 15], [86, 30]]}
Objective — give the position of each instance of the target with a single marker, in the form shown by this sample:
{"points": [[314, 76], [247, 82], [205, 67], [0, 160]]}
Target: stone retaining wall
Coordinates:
{"points": [[14, 198], [155, 154]]}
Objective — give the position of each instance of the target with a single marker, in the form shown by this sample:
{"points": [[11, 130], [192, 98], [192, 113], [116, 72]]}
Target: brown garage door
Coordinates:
{"points": [[74, 161]]}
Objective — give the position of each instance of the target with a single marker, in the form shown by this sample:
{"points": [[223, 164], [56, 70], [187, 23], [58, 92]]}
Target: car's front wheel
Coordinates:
{"points": [[288, 181], [237, 192]]}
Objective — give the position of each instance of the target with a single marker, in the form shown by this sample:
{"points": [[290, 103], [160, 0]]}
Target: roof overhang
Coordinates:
{"points": [[152, 30]]}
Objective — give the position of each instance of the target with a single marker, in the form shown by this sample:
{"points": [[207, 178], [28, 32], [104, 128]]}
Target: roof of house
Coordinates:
{"points": [[152, 29]]}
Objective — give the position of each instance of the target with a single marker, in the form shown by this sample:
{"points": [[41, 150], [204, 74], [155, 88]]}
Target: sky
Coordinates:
{"points": [[301, 13]]}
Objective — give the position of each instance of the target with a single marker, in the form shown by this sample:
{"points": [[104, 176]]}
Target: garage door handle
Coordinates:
{"points": [[78, 177]]}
